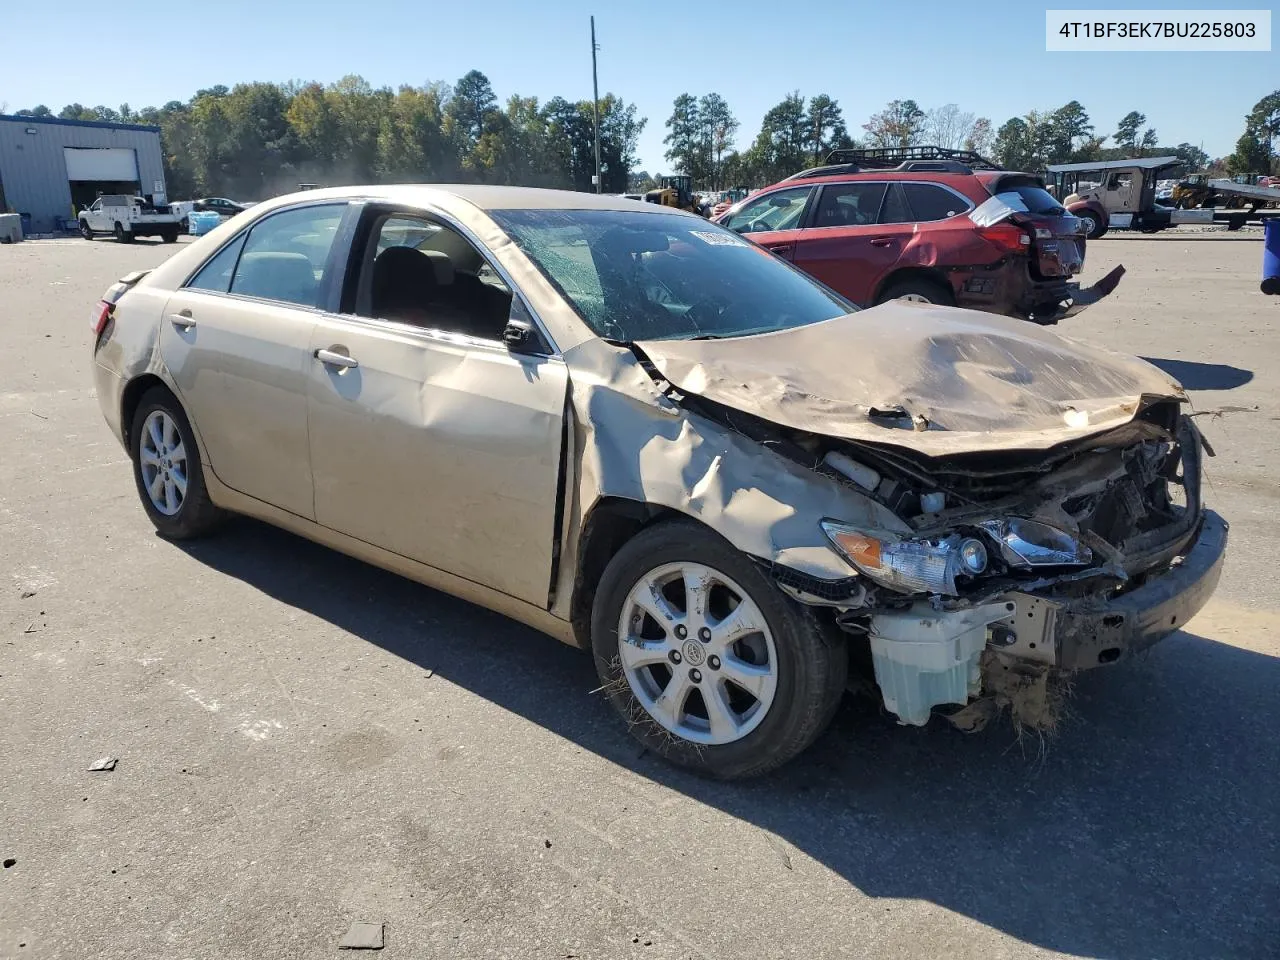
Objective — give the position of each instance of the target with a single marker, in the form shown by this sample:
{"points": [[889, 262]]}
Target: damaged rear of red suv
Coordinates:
{"points": [[940, 226]]}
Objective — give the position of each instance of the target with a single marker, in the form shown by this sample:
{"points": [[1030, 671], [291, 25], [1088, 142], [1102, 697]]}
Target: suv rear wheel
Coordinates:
{"points": [[919, 290]]}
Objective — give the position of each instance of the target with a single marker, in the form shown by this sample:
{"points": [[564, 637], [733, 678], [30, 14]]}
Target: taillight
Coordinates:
{"points": [[101, 317], [1007, 236]]}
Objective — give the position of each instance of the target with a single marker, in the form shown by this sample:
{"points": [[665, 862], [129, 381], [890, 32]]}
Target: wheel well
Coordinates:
{"points": [[134, 391], [611, 523], [927, 274]]}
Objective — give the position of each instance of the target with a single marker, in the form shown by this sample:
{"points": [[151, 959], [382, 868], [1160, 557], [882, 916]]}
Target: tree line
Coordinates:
{"points": [[256, 140], [259, 139], [798, 133]]}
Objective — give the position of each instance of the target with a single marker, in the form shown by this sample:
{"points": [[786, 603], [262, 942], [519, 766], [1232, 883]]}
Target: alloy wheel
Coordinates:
{"points": [[697, 653], [163, 458]]}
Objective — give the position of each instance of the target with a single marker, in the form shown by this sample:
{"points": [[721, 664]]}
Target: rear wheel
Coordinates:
{"points": [[918, 290], [708, 662], [170, 236], [167, 470], [122, 235]]}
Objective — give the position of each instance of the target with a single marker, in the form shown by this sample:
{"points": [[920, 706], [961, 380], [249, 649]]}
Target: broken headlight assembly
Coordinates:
{"points": [[1030, 543], [910, 566]]}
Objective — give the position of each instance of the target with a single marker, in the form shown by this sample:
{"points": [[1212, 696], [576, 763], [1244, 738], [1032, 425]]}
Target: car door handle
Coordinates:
{"points": [[882, 242], [182, 320], [332, 358]]}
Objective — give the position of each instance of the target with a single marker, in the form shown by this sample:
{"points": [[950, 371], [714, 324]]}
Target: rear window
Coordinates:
{"points": [[1037, 199], [929, 201]]}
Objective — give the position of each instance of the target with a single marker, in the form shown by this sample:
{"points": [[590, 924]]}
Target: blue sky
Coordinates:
{"points": [[988, 58]]}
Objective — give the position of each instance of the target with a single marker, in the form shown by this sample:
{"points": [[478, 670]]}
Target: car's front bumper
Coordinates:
{"points": [[1090, 633]]}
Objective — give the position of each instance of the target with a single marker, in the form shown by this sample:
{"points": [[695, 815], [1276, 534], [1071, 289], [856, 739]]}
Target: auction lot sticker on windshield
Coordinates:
{"points": [[717, 239], [1147, 30]]}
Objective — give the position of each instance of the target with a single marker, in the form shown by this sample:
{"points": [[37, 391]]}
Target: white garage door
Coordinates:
{"points": [[108, 163]]}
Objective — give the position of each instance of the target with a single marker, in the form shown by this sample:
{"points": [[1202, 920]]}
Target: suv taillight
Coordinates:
{"points": [[1007, 236]]}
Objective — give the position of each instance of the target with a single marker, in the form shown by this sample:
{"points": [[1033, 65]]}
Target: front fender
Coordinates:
{"points": [[632, 442]]}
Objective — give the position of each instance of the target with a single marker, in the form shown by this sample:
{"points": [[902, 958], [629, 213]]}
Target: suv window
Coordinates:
{"points": [[780, 210], [426, 274], [285, 254], [895, 206], [849, 204], [1037, 199], [929, 201]]}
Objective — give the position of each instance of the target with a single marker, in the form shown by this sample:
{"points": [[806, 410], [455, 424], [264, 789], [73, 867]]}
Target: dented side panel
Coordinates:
{"points": [[443, 450]]}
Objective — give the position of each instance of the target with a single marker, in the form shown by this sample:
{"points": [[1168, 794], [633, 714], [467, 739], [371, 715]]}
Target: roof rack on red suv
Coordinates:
{"points": [[913, 159]]}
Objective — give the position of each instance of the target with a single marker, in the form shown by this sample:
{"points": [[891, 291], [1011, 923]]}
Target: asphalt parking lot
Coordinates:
{"points": [[305, 741]]}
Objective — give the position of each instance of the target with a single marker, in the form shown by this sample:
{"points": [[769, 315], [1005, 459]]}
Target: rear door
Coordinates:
{"points": [[773, 220], [237, 342], [845, 245]]}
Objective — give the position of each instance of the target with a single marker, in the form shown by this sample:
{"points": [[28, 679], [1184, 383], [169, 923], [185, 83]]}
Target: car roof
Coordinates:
{"points": [[484, 196]]}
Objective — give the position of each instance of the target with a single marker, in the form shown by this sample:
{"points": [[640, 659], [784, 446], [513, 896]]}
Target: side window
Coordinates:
{"points": [[426, 274], [216, 274], [1119, 181], [849, 204], [285, 255], [776, 211], [928, 201], [895, 206], [97, 206]]}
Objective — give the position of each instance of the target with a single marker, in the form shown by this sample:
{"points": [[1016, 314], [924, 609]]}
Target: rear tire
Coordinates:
{"points": [[167, 469], [799, 663], [170, 236], [122, 235], [920, 290]]}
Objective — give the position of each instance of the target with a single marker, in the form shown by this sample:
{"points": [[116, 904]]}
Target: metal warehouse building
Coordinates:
{"points": [[51, 168]]}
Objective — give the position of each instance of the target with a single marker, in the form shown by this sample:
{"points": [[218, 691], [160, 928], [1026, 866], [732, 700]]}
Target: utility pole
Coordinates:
{"points": [[595, 103]]}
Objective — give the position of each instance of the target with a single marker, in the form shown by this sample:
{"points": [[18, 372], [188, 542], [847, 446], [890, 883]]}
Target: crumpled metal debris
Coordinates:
{"points": [[105, 765], [362, 936]]}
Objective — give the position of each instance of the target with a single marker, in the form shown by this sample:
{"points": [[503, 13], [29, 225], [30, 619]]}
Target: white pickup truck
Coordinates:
{"points": [[127, 217]]}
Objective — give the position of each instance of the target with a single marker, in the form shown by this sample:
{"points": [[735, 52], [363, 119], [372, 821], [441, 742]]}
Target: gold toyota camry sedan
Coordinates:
{"points": [[647, 436]]}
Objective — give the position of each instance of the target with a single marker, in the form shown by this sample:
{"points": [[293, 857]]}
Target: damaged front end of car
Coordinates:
{"points": [[1016, 555]]}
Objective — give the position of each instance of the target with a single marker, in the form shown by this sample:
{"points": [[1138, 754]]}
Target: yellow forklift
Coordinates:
{"points": [[677, 191]]}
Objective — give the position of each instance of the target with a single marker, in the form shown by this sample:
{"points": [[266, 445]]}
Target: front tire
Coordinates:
{"points": [[716, 670], [167, 470], [85, 231]]}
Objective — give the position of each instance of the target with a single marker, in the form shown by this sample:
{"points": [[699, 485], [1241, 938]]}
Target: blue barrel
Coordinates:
{"points": [[1271, 256], [202, 223]]}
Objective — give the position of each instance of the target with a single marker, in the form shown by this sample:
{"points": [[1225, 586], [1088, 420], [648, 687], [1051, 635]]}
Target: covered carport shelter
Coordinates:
{"points": [[50, 168]]}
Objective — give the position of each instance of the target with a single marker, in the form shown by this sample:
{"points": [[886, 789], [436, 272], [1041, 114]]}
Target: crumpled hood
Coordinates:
{"points": [[937, 380]]}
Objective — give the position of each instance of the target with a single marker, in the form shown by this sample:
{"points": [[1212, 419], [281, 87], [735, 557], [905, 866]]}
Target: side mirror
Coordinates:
{"points": [[519, 336]]}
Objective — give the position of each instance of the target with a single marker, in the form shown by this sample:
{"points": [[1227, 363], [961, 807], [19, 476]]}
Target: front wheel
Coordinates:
{"points": [[85, 231], [167, 470], [708, 662], [1095, 227]]}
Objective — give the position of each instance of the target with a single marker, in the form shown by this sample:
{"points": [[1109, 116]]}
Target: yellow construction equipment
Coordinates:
{"points": [[677, 191]]}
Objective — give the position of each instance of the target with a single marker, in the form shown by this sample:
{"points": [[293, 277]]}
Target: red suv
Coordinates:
{"points": [[932, 230]]}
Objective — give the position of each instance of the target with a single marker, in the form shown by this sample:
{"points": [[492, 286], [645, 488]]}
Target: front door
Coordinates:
{"points": [[236, 340], [429, 437]]}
